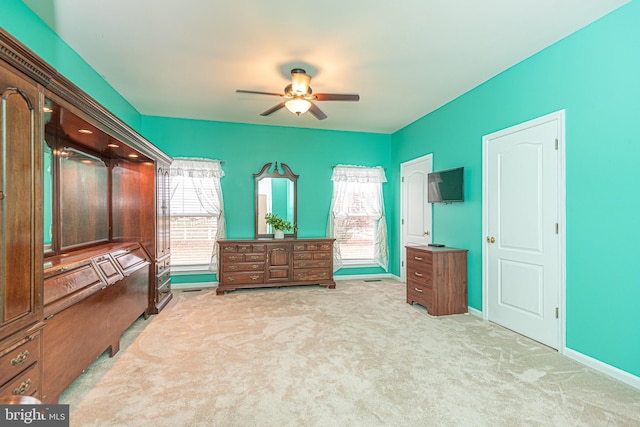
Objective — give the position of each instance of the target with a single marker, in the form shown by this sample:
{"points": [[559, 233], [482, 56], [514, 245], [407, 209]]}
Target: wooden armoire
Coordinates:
{"points": [[84, 227]]}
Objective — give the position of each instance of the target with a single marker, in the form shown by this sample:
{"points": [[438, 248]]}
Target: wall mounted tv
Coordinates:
{"points": [[446, 186]]}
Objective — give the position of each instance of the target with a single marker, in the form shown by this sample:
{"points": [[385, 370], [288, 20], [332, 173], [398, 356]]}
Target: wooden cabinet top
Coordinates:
{"points": [[436, 249], [272, 240]]}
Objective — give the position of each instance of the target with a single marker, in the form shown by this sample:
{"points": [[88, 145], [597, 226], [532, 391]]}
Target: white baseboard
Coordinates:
{"points": [[606, 369], [203, 285], [366, 277], [475, 312], [197, 285]]}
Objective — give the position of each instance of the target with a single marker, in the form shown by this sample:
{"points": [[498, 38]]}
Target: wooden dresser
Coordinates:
{"points": [[263, 263], [437, 279]]}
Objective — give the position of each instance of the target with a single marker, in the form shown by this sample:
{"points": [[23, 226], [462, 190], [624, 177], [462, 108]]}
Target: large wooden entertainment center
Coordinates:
{"points": [[71, 287]]}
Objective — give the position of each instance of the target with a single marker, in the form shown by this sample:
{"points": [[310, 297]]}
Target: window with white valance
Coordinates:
{"points": [[197, 213], [357, 219]]}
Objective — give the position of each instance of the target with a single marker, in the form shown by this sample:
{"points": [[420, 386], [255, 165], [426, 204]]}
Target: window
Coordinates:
{"points": [[357, 218], [197, 215]]}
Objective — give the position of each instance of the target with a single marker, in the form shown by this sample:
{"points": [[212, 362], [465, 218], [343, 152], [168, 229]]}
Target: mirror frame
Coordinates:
{"points": [[264, 173]]}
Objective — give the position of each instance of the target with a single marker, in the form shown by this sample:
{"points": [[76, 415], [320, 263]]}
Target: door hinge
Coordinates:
{"points": [[402, 264], [556, 143], [402, 221], [557, 228], [403, 179], [557, 313]]}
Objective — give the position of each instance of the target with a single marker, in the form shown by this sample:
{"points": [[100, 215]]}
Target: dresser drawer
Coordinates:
{"points": [[420, 294], [162, 265], [311, 274], [420, 274], [325, 247], [302, 255], [163, 289], [311, 263], [243, 266], [241, 278], [18, 357], [25, 384]]}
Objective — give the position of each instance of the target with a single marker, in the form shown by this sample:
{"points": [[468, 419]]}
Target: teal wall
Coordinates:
{"points": [[246, 148], [595, 76], [17, 19]]}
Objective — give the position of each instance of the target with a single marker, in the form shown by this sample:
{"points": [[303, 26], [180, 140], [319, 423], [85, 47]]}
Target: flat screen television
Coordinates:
{"points": [[446, 186]]}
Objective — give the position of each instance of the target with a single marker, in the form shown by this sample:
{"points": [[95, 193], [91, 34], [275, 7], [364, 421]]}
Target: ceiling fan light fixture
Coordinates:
{"points": [[298, 106], [300, 81]]}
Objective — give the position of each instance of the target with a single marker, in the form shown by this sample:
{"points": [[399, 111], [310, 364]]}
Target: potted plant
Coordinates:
{"points": [[278, 225]]}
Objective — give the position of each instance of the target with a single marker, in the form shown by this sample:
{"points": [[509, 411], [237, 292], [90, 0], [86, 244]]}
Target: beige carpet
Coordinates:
{"points": [[357, 355]]}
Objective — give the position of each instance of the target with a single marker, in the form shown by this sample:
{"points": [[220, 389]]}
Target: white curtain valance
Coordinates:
{"points": [[196, 168], [360, 174]]}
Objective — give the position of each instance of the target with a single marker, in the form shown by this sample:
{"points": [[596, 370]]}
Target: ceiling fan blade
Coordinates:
{"points": [[273, 109], [316, 112], [335, 97], [258, 92]]}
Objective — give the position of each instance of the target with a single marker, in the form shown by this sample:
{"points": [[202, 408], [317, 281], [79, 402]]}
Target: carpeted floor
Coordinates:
{"points": [[357, 355]]}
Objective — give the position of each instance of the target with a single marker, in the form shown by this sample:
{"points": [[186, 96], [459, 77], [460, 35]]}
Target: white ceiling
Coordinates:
{"points": [[405, 58]]}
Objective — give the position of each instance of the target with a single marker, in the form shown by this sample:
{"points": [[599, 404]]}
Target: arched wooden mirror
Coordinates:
{"points": [[277, 193]]}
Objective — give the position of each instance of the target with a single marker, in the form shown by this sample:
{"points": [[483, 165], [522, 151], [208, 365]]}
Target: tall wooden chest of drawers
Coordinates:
{"points": [[262, 263], [437, 279]]}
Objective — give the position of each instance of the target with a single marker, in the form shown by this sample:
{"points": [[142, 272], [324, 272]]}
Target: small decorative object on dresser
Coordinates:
{"points": [[261, 263], [278, 225], [437, 279]]}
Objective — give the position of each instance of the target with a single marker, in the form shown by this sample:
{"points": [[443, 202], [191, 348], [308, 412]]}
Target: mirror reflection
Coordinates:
{"points": [[276, 193], [84, 209], [48, 198]]}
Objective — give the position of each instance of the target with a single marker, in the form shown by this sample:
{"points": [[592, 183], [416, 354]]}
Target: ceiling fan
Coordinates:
{"points": [[298, 96]]}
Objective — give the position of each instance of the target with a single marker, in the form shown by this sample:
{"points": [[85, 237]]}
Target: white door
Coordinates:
{"points": [[416, 210], [522, 220]]}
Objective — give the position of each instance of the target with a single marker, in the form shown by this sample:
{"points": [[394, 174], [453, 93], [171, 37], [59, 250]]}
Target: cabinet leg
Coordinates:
{"points": [[115, 347]]}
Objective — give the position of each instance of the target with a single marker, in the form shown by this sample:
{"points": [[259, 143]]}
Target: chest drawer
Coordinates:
{"points": [[26, 384], [242, 278], [420, 294], [311, 274], [18, 357], [243, 266], [311, 263]]}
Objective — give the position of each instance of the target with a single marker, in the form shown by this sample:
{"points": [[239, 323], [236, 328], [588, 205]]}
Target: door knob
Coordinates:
{"points": [[491, 239], [425, 233]]}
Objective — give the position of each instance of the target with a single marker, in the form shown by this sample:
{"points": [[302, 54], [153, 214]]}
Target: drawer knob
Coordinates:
{"points": [[418, 274], [302, 264], [322, 274], [231, 279], [255, 266], [233, 267], [418, 290], [417, 258], [24, 387], [256, 277], [20, 358]]}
